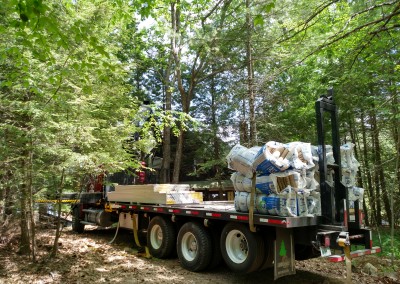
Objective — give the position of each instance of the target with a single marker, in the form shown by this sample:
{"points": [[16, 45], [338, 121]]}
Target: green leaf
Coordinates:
{"points": [[258, 20]]}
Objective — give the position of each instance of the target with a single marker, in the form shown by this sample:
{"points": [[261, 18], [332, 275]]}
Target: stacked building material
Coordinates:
{"points": [[155, 194], [286, 177]]}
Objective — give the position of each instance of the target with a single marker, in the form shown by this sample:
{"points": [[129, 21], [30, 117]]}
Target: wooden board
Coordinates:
{"points": [[146, 194], [154, 187]]}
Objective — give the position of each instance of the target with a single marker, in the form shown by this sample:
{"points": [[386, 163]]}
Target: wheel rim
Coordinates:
{"points": [[236, 246], [189, 246], [156, 237]]}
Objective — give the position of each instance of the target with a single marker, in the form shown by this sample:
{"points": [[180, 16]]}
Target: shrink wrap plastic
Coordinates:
{"points": [[287, 177]]}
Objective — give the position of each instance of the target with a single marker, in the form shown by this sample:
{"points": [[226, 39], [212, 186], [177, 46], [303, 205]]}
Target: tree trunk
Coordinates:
{"points": [[30, 202], [366, 170], [250, 74], [378, 173], [166, 163], [376, 149], [396, 127], [58, 225], [186, 96], [8, 196], [359, 175], [24, 246], [214, 128], [178, 157]]}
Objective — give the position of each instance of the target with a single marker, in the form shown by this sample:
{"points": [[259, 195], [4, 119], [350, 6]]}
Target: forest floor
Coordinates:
{"points": [[89, 258]]}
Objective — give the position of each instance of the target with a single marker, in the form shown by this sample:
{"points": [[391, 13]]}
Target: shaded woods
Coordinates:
{"points": [[73, 75]]}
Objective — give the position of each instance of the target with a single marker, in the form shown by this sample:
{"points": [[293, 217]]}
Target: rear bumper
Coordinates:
{"points": [[354, 254]]}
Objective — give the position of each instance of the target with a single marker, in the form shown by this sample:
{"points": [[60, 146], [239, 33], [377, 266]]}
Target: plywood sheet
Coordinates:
{"points": [[149, 194]]}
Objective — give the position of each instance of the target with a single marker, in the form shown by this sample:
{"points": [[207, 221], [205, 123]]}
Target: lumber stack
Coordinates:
{"points": [[155, 194]]}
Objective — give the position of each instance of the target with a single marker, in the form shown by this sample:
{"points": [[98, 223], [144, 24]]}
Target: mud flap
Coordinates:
{"points": [[284, 253]]}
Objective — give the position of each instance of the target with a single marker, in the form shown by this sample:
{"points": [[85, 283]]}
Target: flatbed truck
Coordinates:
{"points": [[203, 235]]}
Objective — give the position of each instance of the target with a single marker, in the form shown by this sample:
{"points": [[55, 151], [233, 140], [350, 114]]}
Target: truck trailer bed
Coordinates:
{"points": [[215, 210]]}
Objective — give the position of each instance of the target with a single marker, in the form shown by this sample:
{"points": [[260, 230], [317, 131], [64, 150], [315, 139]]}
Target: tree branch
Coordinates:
{"points": [[319, 10]]}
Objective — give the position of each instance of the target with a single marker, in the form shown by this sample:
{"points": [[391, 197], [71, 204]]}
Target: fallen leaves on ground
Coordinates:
{"points": [[89, 258]]}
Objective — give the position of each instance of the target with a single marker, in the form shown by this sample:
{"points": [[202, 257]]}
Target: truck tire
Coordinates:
{"points": [[242, 250], [216, 248], [268, 261], [161, 237], [77, 226], [194, 247]]}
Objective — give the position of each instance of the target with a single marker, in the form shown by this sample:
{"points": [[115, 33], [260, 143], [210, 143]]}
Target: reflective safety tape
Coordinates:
{"points": [[239, 217], [216, 215], [354, 254], [57, 201], [273, 221]]}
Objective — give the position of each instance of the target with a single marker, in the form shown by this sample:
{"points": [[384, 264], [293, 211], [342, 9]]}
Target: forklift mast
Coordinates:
{"points": [[333, 196]]}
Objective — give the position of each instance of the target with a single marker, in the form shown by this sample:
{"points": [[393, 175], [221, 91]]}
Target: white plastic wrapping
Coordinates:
{"points": [[241, 159], [261, 203], [302, 204], [288, 178], [288, 202], [301, 155], [272, 204], [271, 158], [242, 183], [314, 203]]}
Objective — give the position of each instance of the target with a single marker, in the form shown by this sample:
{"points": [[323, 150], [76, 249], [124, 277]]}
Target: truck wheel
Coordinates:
{"points": [[216, 248], [268, 261], [77, 226], [194, 247], [161, 236], [242, 250]]}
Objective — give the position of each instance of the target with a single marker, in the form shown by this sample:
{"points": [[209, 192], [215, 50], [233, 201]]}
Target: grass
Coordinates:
{"points": [[381, 237]]}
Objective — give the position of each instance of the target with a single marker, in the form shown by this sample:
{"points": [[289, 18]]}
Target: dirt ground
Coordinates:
{"points": [[89, 258]]}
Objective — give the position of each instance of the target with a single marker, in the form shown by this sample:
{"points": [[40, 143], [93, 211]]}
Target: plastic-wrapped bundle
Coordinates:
{"points": [[240, 182], [236, 201], [271, 158], [254, 204], [349, 164], [234, 151], [267, 204], [264, 185], [289, 178], [272, 204], [261, 203], [288, 202], [300, 155], [349, 177], [356, 193], [242, 202], [302, 205], [294, 203], [311, 182], [241, 159], [243, 183], [348, 159], [330, 160], [314, 203]]}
